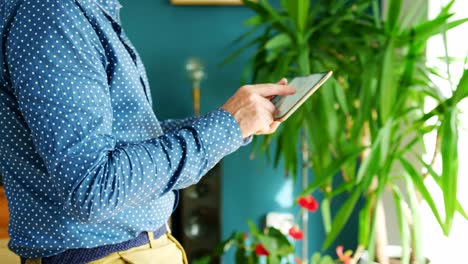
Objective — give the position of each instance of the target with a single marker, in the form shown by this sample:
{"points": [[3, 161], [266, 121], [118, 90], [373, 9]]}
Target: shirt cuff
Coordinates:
{"points": [[245, 141]]}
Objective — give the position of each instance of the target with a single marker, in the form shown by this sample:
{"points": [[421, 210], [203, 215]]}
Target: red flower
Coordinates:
{"points": [[298, 260], [296, 233], [308, 202], [346, 257], [261, 250]]}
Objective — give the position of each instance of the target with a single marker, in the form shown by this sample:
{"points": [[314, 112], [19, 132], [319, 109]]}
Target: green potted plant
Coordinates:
{"points": [[364, 125]]}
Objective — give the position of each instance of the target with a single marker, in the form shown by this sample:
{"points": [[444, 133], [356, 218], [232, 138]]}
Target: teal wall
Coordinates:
{"points": [[166, 36]]}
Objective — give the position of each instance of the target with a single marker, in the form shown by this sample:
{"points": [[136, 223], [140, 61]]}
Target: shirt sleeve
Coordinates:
{"points": [[170, 125], [58, 70]]}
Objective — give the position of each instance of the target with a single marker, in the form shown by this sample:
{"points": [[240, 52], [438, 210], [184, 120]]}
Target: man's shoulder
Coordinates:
{"points": [[7, 7]]}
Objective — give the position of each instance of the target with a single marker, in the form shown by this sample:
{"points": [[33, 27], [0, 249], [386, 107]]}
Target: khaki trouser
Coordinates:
{"points": [[164, 250]]}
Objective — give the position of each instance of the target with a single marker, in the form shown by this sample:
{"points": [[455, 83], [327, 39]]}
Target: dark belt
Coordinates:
{"points": [[85, 255]]}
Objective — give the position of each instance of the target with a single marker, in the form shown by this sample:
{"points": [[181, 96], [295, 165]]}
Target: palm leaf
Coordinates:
{"points": [[449, 179], [416, 179], [341, 218], [416, 216], [393, 16], [437, 180], [462, 89], [402, 225]]}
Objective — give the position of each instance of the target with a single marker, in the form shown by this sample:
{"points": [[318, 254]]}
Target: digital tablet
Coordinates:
{"points": [[305, 87]]}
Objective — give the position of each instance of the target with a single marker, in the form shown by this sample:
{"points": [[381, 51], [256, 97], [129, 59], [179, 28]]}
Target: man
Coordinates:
{"points": [[90, 174]]}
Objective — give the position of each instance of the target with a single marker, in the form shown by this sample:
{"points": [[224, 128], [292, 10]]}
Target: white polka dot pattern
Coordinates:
{"points": [[84, 159]]}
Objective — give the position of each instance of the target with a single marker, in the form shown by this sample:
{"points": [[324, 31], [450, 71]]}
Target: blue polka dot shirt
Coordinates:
{"points": [[85, 162]]}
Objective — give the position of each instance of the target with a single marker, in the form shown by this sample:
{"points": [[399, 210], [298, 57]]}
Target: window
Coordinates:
{"points": [[437, 247]]}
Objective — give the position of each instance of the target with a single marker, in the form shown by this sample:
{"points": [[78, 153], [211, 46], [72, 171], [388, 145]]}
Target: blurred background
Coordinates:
{"points": [[183, 44]]}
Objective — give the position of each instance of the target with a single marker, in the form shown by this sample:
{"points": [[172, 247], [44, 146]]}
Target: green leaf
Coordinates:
{"points": [[246, 74], [340, 94], [418, 138], [332, 169], [269, 243], [462, 89], [365, 221], [284, 4], [278, 41], [290, 6], [315, 258], [376, 13], [327, 260], [286, 145], [416, 217], [245, 36], [369, 165], [436, 177], [224, 246], [303, 61], [386, 141], [430, 90], [284, 246], [328, 113], [371, 236], [241, 50], [283, 65], [449, 152], [341, 219], [366, 99], [253, 228], [447, 8], [275, 242], [403, 227], [345, 186], [302, 12], [253, 21], [417, 180], [424, 31], [263, 9], [393, 16], [272, 259], [326, 215], [438, 110], [253, 259], [240, 256], [272, 55], [462, 211], [388, 83], [203, 260]]}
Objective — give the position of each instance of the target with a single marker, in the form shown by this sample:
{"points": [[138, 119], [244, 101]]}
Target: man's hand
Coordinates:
{"points": [[252, 108]]}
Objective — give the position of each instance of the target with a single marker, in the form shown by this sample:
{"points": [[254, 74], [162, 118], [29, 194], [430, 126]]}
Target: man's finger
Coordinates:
{"points": [[268, 105], [270, 130], [267, 90], [283, 81], [274, 126]]}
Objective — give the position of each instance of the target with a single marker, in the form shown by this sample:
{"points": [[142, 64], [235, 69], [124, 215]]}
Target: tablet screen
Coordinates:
{"points": [[305, 87]]}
